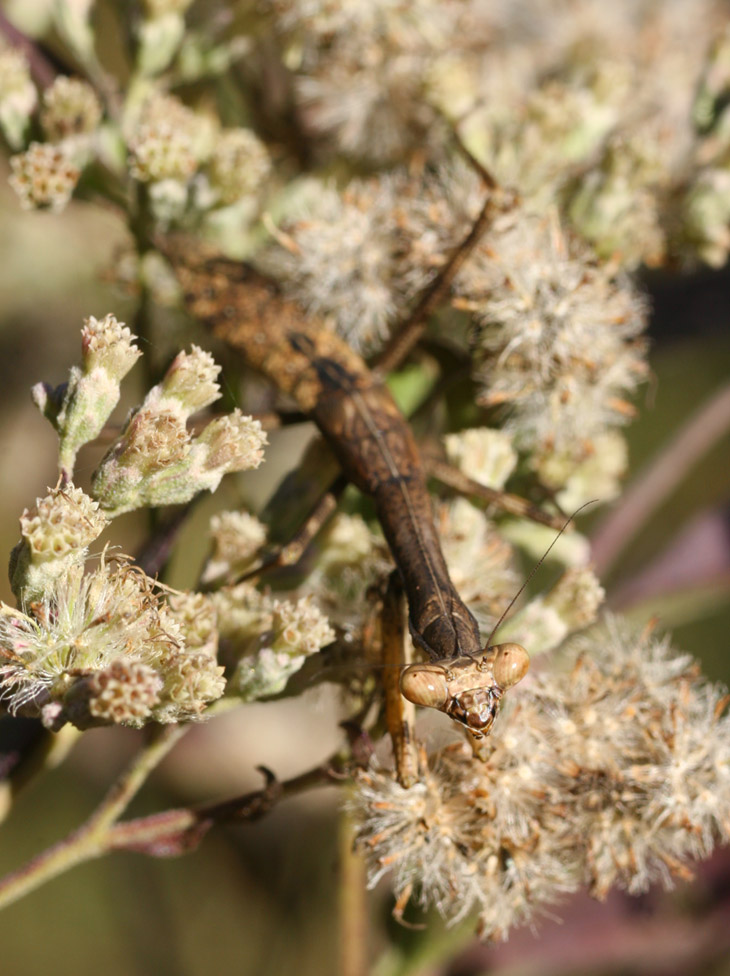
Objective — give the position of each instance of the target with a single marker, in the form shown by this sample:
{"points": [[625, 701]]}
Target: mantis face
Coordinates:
{"points": [[468, 689]]}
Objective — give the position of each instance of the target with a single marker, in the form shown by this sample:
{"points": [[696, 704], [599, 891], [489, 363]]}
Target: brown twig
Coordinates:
{"points": [[166, 834], [91, 839], [507, 502], [401, 343]]}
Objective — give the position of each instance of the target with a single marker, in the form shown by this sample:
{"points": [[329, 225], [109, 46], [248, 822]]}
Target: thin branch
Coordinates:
{"points": [[400, 344], [353, 917], [166, 834], [91, 839], [659, 479], [504, 500]]}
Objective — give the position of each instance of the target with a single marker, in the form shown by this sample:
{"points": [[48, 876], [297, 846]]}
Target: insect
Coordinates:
{"points": [[375, 448]]}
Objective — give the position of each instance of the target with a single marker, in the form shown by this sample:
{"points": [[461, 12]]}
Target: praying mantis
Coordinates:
{"points": [[377, 453]]}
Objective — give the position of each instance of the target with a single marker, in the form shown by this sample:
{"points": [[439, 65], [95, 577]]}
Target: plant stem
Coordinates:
{"points": [[660, 478], [91, 839], [353, 926]]}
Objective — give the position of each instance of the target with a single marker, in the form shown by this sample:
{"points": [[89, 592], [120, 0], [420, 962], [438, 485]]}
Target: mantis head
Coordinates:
{"points": [[468, 689]]}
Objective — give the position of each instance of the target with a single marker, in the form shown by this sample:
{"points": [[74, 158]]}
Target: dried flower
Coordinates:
{"points": [[343, 263], [43, 177], [613, 768], [558, 336]]}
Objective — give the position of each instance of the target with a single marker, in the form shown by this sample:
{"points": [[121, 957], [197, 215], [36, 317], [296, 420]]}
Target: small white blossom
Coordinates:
{"points": [[44, 178]]}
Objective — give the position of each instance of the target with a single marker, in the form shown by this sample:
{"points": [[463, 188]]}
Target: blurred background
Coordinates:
{"points": [[263, 898]]}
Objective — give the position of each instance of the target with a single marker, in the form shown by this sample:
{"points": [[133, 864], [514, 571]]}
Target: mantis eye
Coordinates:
{"points": [[511, 662], [426, 685]]}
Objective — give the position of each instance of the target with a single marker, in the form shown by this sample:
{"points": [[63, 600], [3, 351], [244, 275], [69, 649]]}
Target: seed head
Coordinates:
{"points": [[610, 768]]}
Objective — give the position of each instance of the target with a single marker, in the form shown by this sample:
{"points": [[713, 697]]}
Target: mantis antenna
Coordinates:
{"points": [[534, 569]]}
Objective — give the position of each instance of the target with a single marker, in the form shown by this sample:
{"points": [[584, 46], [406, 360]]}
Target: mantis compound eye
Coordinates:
{"points": [[426, 685], [511, 662]]}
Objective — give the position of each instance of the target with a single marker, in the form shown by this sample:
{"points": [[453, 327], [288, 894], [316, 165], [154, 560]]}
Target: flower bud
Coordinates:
{"points": [[55, 535], [483, 454], [238, 166], [43, 177], [70, 108], [17, 95]]}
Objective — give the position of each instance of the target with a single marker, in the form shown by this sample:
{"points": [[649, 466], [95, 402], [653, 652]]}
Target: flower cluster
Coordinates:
{"points": [[103, 648], [611, 769], [266, 641], [80, 408], [44, 177], [55, 536], [156, 461], [558, 336]]}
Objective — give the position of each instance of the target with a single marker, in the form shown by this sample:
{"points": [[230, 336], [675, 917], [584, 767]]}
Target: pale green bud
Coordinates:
{"points": [[70, 108], [80, 408], [237, 537], [159, 39], [707, 215], [196, 616], [191, 680], [571, 549], [124, 693], [238, 166], [597, 476], [711, 99], [190, 382], [233, 443], [156, 462], [72, 18], [291, 631], [18, 95], [615, 207]]}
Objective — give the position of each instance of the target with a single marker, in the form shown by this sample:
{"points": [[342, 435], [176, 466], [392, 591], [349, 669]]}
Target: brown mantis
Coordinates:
{"points": [[376, 450]]}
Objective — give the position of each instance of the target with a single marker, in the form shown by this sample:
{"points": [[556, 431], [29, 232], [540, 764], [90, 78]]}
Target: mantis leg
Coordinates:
{"points": [[399, 714]]}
